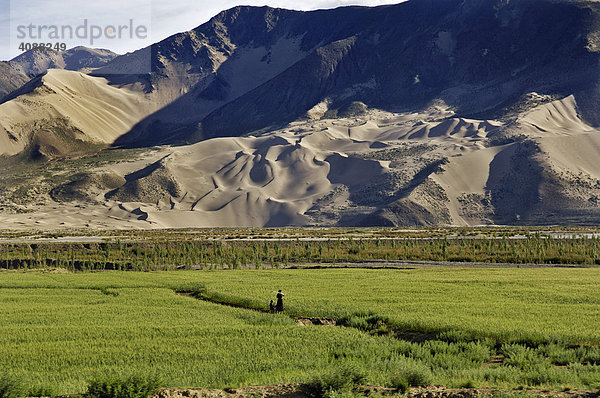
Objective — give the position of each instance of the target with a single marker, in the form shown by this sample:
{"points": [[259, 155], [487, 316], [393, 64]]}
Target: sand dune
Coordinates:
{"points": [[87, 107], [284, 177], [453, 127], [463, 176], [241, 181], [489, 135], [335, 170], [402, 169], [555, 118]]}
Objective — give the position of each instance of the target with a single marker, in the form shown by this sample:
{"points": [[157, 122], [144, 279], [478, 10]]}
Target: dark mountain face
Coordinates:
{"points": [[231, 55], [254, 68], [10, 79], [474, 56], [39, 60], [478, 56]]}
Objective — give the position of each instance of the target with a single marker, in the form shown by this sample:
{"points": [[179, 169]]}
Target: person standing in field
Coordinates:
{"points": [[279, 305]]}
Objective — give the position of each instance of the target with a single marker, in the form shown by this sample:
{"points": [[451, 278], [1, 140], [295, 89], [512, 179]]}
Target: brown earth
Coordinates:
{"points": [[300, 391]]}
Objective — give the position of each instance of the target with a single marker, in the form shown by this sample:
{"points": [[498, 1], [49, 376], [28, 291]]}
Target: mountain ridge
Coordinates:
{"points": [[437, 77], [38, 60]]}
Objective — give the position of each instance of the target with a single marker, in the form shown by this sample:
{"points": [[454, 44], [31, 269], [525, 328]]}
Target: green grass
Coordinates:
{"points": [[64, 330], [11, 386], [514, 304], [345, 378], [115, 386]]}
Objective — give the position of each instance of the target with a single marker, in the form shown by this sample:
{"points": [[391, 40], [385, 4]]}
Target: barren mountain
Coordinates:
{"points": [[10, 79], [429, 112], [39, 60], [476, 56]]}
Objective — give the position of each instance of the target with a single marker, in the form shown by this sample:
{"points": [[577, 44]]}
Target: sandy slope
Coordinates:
{"points": [[466, 175], [576, 154], [555, 118], [94, 110]]}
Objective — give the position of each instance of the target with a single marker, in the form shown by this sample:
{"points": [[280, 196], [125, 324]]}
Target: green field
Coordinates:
{"points": [[453, 326]]}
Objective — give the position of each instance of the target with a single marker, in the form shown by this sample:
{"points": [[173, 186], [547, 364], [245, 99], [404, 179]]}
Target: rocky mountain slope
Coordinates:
{"points": [[477, 56], [10, 79], [39, 60], [429, 112]]}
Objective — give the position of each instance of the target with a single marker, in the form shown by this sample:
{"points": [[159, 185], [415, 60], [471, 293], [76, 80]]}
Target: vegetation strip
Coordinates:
{"points": [[190, 253], [370, 323]]}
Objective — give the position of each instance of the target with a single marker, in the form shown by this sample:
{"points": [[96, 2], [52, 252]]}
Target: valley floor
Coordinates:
{"points": [[490, 328]]}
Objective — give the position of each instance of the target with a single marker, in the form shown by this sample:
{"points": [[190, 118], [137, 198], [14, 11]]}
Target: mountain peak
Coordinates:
{"points": [[38, 60]]}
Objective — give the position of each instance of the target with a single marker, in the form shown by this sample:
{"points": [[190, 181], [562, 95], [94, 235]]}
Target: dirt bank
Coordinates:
{"points": [[300, 391]]}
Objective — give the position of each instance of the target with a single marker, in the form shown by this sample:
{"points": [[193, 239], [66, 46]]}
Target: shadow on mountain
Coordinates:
{"points": [[479, 57], [514, 183], [400, 210]]}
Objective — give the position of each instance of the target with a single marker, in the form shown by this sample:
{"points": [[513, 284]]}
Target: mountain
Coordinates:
{"points": [[10, 79], [197, 72], [476, 56], [39, 60], [428, 112]]}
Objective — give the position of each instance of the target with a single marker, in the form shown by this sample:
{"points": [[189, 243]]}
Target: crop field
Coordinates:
{"points": [[59, 332], [508, 304], [484, 327]]}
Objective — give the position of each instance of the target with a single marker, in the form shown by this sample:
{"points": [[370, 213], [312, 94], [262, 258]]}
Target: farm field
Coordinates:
{"points": [[484, 327]]}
